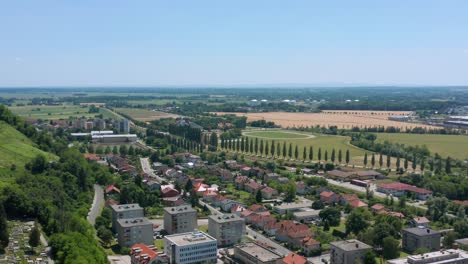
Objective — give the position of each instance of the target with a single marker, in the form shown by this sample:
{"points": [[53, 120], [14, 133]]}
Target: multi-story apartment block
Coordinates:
{"points": [[123, 126], [124, 211], [192, 247], [180, 219], [227, 229], [348, 251], [132, 231], [420, 237]]}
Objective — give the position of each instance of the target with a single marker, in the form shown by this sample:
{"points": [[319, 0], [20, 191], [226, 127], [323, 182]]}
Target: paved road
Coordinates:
{"points": [[98, 203], [253, 234], [146, 167], [47, 248]]}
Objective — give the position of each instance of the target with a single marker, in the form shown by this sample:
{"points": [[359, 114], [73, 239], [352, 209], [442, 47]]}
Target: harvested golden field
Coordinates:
{"points": [[341, 119]]}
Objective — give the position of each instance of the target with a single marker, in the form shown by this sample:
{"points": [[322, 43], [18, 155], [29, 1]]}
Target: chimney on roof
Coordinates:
{"points": [[357, 245], [428, 230]]}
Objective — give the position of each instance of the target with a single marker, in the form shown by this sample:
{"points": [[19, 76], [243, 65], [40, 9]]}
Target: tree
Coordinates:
{"points": [[461, 227], [380, 160], [247, 149], [38, 164], [311, 153], [340, 156], [448, 166], [242, 144], [272, 148], [365, 159], [326, 226], [402, 202], [35, 236], [332, 158], [278, 150], [115, 150], [369, 257], [389, 161], [319, 155], [373, 160], [304, 154], [357, 221], [123, 150], [437, 207], [284, 150], [296, 153], [391, 248], [258, 196], [214, 140], [449, 239], [422, 165], [347, 157], [261, 147], [290, 192], [251, 146], [413, 165], [317, 205], [290, 151], [105, 235], [4, 237], [398, 162], [256, 146], [405, 164], [326, 155], [332, 215]]}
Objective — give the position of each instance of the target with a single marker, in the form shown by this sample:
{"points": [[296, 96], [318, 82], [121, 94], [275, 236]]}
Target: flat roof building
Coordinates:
{"points": [[118, 138], [292, 207], [133, 231], [191, 247], [449, 256], [124, 211], [420, 237], [227, 229], [180, 219], [348, 251], [252, 253]]}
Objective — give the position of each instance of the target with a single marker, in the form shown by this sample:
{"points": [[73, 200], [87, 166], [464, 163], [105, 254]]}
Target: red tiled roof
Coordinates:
{"points": [[357, 203], [293, 258], [327, 194], [268, 190], [111, 188], [309, 241], [90, 156], [465, 203], [378, 207], [350, 197], [420, 220], [143, 253], [256, 207]]}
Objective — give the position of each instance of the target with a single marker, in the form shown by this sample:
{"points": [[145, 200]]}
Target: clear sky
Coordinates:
{"points": [[198, 42]]}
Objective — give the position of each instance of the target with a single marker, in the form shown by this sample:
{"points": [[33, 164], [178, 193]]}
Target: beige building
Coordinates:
{"points": [[180, 219], [251, 253], [449, 256], [228, 229], [420, 237], [348, 251], [124, 211], [133, 231]]}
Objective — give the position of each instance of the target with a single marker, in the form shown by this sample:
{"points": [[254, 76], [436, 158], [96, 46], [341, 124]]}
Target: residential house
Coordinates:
{"points": [[293, 258], [329, 197], [269, 193], [292, 233], [377, 208], [240, 182], [301, 188], [227, 204], [271, 177], [111, 189], [420, 221], [310, 246], [169, 191], [252, 187], [248, 171]]}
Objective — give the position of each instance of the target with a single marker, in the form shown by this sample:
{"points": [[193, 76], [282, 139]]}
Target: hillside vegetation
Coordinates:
{"points": [[17, 149]]}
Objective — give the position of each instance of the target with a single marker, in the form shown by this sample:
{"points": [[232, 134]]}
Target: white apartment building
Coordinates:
{"points": [[192, 247]]}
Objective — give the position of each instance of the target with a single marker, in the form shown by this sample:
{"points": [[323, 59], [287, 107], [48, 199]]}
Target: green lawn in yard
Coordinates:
{"points": [[159, 243], [51, 112], [446, 145], [15, 148]]}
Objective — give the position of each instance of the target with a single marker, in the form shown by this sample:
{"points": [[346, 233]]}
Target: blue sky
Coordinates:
{"points": [[151, 43]]}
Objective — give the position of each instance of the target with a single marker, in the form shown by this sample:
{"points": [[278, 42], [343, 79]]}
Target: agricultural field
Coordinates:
{"points": [[15, 148], [51, 112], [341, 119], [446, 145], [142, 114]]}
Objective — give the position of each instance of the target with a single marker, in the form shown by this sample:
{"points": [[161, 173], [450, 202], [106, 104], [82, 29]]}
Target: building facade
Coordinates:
{"points": [[192, 247], [348, 251], [180, 219], [125, 211], [227, 229], [133, 231], [252, 253], [420, 237]]}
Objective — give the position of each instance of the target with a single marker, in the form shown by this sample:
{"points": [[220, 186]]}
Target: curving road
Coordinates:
{"points": [[98, 203]]}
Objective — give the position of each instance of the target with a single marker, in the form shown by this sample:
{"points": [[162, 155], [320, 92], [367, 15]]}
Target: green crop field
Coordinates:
{"points": [[446, 145], [51, 112], [325, 142], [142, 114], [15, 148]]}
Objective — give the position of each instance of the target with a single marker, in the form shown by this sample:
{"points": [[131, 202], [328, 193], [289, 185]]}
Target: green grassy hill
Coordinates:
{"points": [[15, 148]]}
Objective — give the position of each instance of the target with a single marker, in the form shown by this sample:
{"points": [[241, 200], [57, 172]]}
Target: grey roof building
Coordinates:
{"points": [[134, 231], [124, 211], [228, 229], [180, 219], [251, 253], [420, 237], [348, 251]]}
